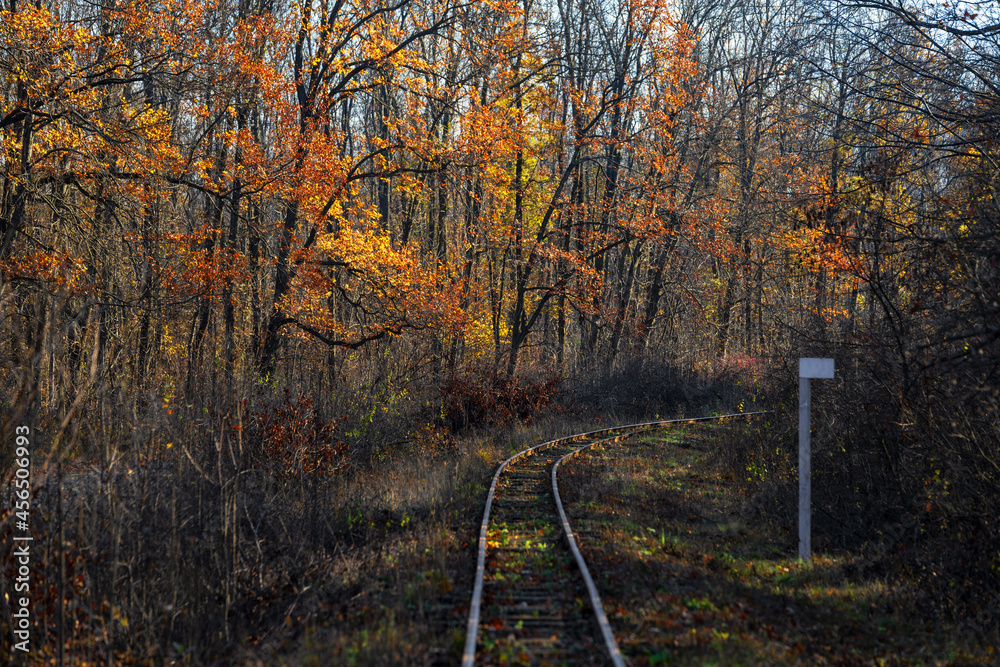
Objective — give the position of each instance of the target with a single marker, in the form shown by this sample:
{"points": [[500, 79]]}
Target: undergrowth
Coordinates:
{"points": [[688, 579], [906, 485], [260, 534]]}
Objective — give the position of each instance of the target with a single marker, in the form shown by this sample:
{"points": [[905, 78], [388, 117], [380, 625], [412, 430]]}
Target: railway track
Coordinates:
{"points": [[533, 599]]}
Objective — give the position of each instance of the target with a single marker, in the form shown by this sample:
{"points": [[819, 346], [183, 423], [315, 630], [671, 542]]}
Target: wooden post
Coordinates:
{"points": [[808, 368]]}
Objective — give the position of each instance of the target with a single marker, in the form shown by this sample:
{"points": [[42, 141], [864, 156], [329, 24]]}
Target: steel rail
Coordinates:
{"points": [[472, 627], [595, 599]]}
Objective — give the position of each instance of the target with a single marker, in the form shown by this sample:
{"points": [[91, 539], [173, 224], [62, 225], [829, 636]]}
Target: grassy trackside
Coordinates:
{"points": [[396, 591], [686, 582]]}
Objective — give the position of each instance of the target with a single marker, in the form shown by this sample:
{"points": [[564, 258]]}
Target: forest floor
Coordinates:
{"points": [[685, 580]]}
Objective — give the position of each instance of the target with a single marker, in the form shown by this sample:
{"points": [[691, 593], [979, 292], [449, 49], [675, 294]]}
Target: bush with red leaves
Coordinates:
{"points": [[487, 398], [292, 439]]}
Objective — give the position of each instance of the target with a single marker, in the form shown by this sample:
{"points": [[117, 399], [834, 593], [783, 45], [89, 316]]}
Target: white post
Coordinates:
{"points": [[808, 368], [805, 472]]}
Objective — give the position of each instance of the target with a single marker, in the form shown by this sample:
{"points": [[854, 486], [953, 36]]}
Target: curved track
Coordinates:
{"points": [[533, 599]]}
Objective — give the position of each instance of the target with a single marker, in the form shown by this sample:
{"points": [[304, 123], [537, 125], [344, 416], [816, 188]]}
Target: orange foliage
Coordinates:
{"points": [[58, 271]]}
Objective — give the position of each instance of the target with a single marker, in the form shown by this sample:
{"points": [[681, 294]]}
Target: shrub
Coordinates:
{"points": [[291, 438], [482, 397]]}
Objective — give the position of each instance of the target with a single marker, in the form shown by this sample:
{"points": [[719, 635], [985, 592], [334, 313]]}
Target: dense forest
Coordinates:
{"points": [[260, 239]]}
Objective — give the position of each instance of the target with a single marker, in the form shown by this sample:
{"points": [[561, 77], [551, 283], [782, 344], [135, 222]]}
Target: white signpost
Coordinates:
{"points": [[808, 368]]}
